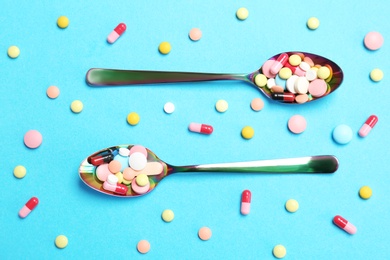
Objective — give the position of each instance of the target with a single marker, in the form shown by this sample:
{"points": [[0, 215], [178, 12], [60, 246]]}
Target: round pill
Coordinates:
{"points": [[13, 52], [124, 151], [242, 13], [114, 166], [53, 92], [119, 175], [247, 132], [129, 174], [143, 246], [139, 189], [257, 104], [102, 172], [164, 47], [342, 134], [137, 161], [279, 251], [142, 179], [76, 106], [62, 22], [167, 215], [313, 23], [292, 205], [195, 34], [61, 241], [204, 233], [376, 75], [221, 106], [133, 118], [140, 149], [285, 73], [20, 171], [297, 124], [301, 98], [277, 89], [33, 139], [318, 87], [323, 72], [365, 192], [295, 59], [266, 68], [373, 40], [169, 107], [260, 80]]}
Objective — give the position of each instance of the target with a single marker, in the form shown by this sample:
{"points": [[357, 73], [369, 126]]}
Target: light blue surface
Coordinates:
{"points": [[103, 227]]}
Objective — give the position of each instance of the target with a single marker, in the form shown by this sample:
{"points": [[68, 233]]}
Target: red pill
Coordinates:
{"points": [[344, 224], [283, 97], [368, 125], [118, 31], [201, 128], [245, 202], [28, 207], [279, 63]]}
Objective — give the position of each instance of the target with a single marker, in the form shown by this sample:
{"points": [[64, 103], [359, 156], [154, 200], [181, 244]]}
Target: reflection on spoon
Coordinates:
{"points": [[100, 170], [290, 77]]}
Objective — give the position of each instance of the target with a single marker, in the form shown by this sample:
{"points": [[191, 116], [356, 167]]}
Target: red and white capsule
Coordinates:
{"points": [[118, 31], [279, 63], [344, 224], [201, 128], [368, 125], [28, 207], [111, 184], [246, 202]]}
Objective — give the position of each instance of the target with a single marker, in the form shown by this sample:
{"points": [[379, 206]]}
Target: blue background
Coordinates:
{"points": [[99, 226]]}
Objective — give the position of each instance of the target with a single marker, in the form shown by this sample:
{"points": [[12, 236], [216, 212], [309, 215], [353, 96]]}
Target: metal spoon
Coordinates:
{"points": [[114, 77], [156, 169]]}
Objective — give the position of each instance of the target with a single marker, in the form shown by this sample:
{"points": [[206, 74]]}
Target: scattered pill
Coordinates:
{"points": [[195, 34], [257, 104], [279, 63], [164, 47], [139, 189], [245, 202], [368, 125], [313, 23], [62, 22], [221, 106], [169, 107], [365, 192], [247, 132], [133, 118], [111, 184], [33, 139], [260, 80], [292, 205], [242, 13], [28, 207], [344, 224], [376, 75], [116, 33], [200, 128], [204, 233], [53, 92], [114, 166], [143, 246], [279, 251], [142, 179], [373, 40], [13, 52], [342, 134], [61, 241], [167, 215], [76, 106], [20, 171], [297, 124], [137, 161]]}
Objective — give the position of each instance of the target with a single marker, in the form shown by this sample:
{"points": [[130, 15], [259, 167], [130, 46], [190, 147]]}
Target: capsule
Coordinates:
{"points": [[105, 156], [28, 207], [279, 63], [245, 202], [111, 184], [283, 97], [201, 128], [118, 31], [344, 224], [368, 125]]}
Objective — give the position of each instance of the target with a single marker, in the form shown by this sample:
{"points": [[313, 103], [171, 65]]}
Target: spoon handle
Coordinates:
{"points": [[112, 77], [311, 164]]}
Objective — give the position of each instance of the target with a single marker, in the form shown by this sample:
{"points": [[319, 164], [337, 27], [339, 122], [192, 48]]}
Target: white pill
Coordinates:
{"points": [[304, 66], [271, 82], [291, 83], [112, 179], [311, 75], [169, 107], [124, 151], [137, 161], [301, 85]]}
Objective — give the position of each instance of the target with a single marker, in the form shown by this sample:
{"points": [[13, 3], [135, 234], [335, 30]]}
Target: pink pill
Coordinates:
{"points": [[139, 189], [373, 41], [33, 139], [102, 172], [266, 69], [317, 87], [297, 124], [138, 149], [195, 34], [53, 92]]}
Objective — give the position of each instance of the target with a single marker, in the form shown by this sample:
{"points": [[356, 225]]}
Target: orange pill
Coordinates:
{"points": [[195, 34], [53, 92], [204, 233], [143, 246], [257, 104], [114, 166]]}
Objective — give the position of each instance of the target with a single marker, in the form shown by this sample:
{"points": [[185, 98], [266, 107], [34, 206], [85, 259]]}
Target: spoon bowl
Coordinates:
{"points": [[100, 170], [317, 85]]}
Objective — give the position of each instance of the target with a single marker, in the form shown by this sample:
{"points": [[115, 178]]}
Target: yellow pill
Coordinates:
{"points": [[120, 176], [221, 106], [247, 132], [63, 22], [323, 72], [260, 80], [13, 52], [376, 75], [133, 118], [242, 13], [279, 251], [142, 179], [20, 171], [365, 192], [313, 23], [167, 215], [76, 106], [285, 73], [295, 59], [61, 241], [292, 205], [164, 47]]}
